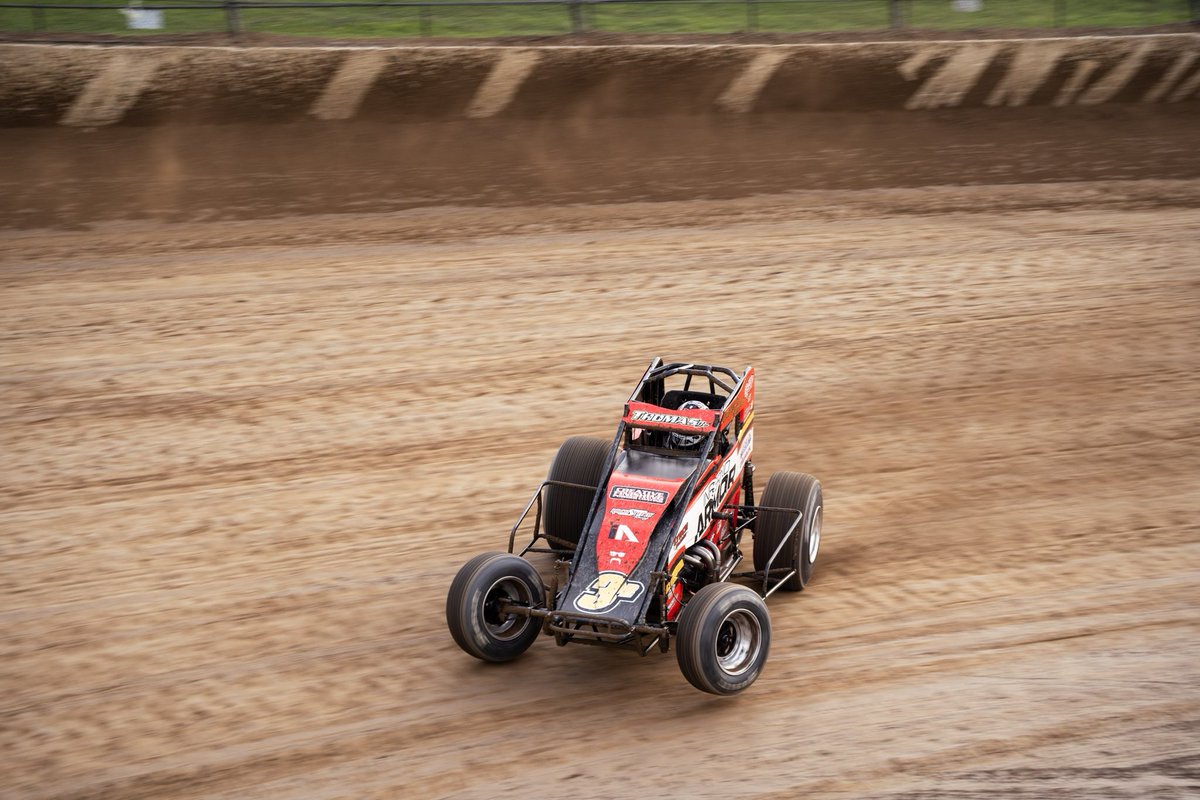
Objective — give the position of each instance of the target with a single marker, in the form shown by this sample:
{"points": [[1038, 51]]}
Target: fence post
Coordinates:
{"points": [[39, 19], [895, 14], [232, 21], [1060, 13], [575, 9], [1194, 8], [752, 15], [426, 22]]}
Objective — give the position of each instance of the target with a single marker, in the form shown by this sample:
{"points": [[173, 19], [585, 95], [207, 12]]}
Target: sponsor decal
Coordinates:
{"points": [[747, 446], [606, 591], [668, 419], [636, 513], [702, 510], [638, 494], [622, 533], [680, 536], [715, 494]]}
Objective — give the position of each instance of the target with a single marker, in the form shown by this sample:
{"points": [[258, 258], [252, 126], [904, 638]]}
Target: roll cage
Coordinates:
{"points": [[652, 405]]}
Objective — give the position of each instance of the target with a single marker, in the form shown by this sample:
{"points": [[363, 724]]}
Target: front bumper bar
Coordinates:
{"points": [[570, 626]]}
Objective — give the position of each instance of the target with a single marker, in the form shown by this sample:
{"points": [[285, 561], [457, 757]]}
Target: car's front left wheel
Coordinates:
{"points": [[480, 602], [723, 638]]}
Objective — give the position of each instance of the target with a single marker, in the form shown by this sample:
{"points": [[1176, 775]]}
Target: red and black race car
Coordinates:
{"points": [[647, 530]]}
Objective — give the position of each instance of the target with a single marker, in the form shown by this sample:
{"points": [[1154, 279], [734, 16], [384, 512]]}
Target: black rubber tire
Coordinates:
{"points": [[470, 612], [581, 459], [713, 627], [790, 490]]}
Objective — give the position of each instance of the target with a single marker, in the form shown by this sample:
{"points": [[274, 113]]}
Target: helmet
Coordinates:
{"points": [[686, 440]]}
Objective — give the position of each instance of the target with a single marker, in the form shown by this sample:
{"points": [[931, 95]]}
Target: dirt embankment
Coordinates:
{"points": [[92, 87], [96, 133]]}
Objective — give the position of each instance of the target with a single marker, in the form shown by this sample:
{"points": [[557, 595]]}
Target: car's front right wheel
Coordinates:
{"points": [[723, 638], [479, 606]]}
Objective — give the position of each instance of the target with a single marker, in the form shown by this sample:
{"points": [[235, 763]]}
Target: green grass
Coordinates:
{"points": [[766, 15], [657, 16], [1048, 13], [23, 20]]}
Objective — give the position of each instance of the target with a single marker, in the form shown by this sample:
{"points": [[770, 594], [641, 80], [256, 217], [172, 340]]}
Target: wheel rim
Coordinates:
{"points": [[500, 625], [814, 537], [739, 640]]}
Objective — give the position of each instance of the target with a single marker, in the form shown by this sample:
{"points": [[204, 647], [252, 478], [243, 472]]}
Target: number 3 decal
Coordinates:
{"points": [[607, 590]]}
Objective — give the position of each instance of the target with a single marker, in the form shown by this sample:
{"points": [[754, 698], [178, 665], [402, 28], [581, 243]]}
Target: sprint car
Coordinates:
{"points": [[647, 532]]}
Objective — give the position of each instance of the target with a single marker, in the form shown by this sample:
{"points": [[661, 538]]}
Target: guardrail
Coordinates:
{"points": [[425, 18]]}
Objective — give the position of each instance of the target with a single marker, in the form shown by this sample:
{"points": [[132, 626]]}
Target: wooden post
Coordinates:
{"points": [[232, 21]]}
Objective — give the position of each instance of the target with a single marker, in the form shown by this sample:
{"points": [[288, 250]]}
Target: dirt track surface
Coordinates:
{"points": [[244, 460]]}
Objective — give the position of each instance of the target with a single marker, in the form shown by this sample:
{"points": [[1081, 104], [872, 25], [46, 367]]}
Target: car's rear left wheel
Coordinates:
{"points": [[789, 490]]}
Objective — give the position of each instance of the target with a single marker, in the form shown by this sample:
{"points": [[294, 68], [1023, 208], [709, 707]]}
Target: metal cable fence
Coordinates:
{"points": [[482, 18]]}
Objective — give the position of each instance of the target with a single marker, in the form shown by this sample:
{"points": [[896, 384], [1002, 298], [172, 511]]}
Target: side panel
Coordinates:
{"points": [[697, 518]]}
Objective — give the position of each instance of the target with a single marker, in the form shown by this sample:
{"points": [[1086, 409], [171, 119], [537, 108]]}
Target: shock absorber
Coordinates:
{"points": [[748, 490]]}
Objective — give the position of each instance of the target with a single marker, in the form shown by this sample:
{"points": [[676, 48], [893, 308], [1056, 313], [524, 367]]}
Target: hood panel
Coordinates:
{"points": [[615, 559], [633, 507]]}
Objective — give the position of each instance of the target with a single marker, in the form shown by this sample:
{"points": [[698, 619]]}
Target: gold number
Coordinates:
{"points": [[608, 589]]}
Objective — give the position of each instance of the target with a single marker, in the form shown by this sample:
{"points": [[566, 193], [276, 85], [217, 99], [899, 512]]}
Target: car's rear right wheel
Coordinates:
{"points": [[723, 638], [580, 460]]}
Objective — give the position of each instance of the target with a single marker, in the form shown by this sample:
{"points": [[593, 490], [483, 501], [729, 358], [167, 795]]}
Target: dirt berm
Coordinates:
{"points": [[92, 86]]}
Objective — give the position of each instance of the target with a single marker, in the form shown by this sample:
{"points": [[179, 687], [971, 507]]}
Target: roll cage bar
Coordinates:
{"points": [[651, 387]]}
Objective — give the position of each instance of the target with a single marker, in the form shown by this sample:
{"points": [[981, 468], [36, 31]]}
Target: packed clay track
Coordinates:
{"points": [[244, 458]]}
